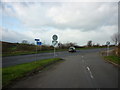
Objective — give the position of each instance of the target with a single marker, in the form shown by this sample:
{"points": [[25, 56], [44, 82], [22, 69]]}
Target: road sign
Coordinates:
{"points": [[108, 43], [37, 40], [39, 43], [54, 42], [55, 37]]}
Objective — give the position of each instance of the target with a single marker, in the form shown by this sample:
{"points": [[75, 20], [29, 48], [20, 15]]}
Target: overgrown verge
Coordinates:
{"points": [[113, 59], [12, 73], [112, 56], [16, 53]]}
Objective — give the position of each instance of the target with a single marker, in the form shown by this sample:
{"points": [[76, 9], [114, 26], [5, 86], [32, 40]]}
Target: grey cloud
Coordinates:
{"points": [[85, 16], [12, 36], [72, 16], [76, 22]]}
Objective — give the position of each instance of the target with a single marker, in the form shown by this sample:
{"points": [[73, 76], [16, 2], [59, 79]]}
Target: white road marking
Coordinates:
{"points": [[88, 68], [82, 56], [90, 72]]}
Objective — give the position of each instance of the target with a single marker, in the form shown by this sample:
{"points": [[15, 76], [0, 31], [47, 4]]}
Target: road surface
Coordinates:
{"points": [[14, 60], [83, 70]]}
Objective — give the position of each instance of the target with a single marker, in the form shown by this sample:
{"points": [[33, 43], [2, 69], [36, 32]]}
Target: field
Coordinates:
{"points": [[14, 49]]}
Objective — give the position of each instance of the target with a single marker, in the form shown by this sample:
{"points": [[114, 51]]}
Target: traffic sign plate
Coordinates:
{"points": [[39, 43], [54, 42], [55, 37], [36, 39], [108, 43]]}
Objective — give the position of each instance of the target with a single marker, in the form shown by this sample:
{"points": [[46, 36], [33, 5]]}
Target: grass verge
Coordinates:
{"points": [[12, 73], [114, 59], [29, 52]]}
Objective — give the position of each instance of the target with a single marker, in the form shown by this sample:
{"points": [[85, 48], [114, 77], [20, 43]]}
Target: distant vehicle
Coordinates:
{"points": [[72, 49]]}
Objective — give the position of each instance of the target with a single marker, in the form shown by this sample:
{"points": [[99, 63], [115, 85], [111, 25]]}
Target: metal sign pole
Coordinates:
{"points": [[36, 47], [36, 52], [40, 47], [54, 51], [107, 50], [54, 42], [108, 43]]}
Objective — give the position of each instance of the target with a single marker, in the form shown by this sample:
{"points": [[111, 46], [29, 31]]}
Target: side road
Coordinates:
{"points": [[87, 70]]}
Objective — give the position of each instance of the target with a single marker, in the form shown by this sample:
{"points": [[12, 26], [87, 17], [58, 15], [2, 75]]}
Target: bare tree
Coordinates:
{"points": [[69, 44], [25, 42], [116, 38], [89, 43]]}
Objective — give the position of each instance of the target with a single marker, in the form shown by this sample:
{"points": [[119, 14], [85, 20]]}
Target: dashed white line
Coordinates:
{"points": [[90, 72], [88, 68]]}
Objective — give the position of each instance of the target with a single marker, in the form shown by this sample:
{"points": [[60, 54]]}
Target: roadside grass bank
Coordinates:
{"points": [[28, 52], [12, 73], [85, 48], [113, 56], [113, 59]]}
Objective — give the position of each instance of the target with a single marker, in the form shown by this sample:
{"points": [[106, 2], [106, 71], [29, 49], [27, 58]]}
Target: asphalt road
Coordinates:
{"points": [[14, 60], [82, 70]]}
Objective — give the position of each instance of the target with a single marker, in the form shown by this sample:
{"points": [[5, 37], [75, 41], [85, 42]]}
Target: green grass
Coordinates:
{"points": [[85, 48], [16, 53], [29, 52], [12, 73], [114, 59]]}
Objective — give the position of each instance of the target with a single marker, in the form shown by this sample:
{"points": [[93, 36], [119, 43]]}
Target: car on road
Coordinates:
{"points": [[72, 49]]}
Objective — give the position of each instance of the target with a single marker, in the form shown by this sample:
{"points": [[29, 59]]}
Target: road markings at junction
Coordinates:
{"points": [[90, 72]]}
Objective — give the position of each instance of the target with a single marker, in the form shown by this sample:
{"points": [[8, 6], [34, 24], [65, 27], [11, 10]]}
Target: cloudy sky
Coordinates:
{"points": [[76, 22]]}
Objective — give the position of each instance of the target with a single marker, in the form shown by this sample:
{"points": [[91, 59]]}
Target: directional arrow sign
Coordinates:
{"points": [[108, 43], [54, 42]]}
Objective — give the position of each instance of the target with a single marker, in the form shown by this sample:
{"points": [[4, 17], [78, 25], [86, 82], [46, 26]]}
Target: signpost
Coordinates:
{"points": [[37, 43], [107, 43], [54, 42], [55, 37], [37, 40]]}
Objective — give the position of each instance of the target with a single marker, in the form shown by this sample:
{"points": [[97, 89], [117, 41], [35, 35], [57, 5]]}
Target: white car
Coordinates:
{"points": [[72, 49]]}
